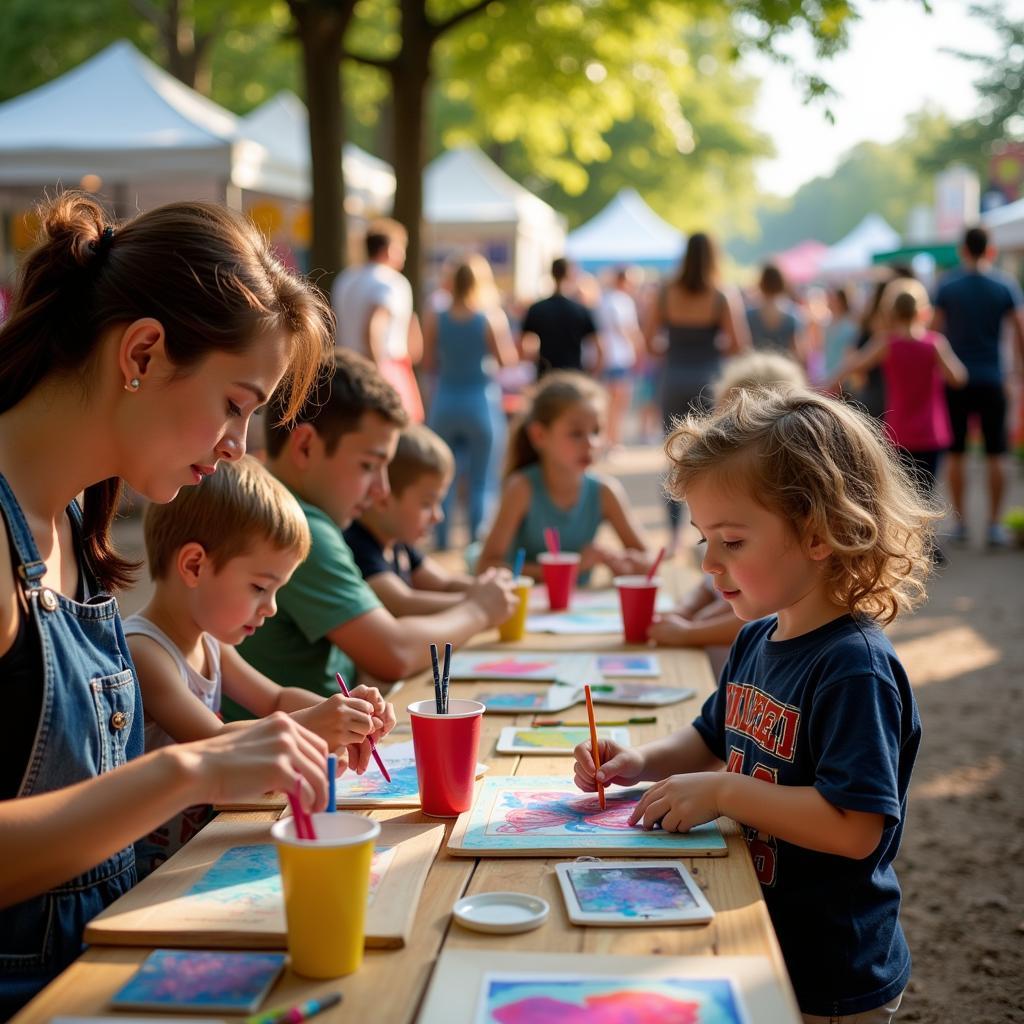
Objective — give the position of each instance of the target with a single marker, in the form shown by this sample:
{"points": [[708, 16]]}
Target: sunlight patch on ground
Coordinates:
{"points": [[967, 781], [964, 650]]}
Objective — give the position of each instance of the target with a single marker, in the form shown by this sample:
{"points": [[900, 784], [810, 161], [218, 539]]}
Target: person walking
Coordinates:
{"points": [[772, 319], [555, 329], [466, 344], [621, 345], [971, 307], [700, 326]]}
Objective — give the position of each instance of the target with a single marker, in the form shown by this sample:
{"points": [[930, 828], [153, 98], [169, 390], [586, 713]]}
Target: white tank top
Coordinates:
{"points": [[206, 690]]}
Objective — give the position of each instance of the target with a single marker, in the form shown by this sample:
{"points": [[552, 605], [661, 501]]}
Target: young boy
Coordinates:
{"points": [[218, 553], [383, 538], [334, 460]]}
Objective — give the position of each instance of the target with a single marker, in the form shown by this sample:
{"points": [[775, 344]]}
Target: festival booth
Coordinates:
{"points": [[471, 205], [626, 231], [801, 263], [281, 126], [850, 257], [1006, 229], [121, 127]]}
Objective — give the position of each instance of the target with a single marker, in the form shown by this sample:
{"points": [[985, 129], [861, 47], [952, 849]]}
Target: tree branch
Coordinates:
{"points": [[384, 63], [438, 28]]}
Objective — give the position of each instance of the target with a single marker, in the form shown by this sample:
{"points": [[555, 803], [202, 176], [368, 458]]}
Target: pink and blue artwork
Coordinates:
{"points": [[635, 891], [520, 813], [632, 665], [583, 999]]}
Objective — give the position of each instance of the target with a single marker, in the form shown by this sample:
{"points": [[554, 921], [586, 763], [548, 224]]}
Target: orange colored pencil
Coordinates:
{"points": [[593, 745]]}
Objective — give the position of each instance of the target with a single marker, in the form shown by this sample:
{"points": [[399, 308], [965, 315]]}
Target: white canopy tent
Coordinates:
{"points": [[281, 126], [471, 204], [1006, 225], [853, 252], [120, 117], [627, 230]]}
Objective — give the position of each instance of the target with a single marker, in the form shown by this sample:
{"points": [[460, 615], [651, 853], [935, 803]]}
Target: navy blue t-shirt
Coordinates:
{"points": [[974, 305], [368, 553], [831, 709]]}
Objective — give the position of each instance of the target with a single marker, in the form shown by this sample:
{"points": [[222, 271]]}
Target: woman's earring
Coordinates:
{"points": [[133, 384]]}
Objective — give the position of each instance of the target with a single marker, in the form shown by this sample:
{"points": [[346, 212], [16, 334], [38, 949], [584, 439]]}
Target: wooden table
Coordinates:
{"points": [[390, 986]]}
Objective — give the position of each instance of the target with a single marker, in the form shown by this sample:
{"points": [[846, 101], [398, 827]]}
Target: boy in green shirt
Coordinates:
{"points": [[334, 459]]}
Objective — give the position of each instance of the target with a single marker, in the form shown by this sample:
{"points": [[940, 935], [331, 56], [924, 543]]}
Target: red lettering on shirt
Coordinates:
{"points": [[773, 726]]}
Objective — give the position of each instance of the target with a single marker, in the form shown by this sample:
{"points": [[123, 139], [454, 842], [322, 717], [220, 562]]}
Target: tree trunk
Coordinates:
{"points": [[410, 75], [321, 32]]}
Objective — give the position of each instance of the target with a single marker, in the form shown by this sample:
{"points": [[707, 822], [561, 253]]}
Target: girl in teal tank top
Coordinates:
{"points": [[549, 483]]}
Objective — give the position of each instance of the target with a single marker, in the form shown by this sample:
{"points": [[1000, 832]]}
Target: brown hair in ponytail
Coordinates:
{"points": [[556, 393], [205, 273]]}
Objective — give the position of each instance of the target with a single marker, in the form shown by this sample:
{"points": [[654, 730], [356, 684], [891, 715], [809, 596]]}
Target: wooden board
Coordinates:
{"points": [[175, 906], [457, 990], [526, 816]]}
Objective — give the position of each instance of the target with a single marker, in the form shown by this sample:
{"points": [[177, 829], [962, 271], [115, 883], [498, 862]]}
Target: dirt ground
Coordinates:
{"points": [[962, 862]]}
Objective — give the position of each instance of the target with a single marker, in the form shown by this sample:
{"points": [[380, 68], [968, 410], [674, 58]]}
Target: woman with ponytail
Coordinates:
{"points": [[132, 352]]}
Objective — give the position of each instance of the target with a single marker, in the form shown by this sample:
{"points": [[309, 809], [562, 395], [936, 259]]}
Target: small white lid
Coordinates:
{"points": [[501, 912]]}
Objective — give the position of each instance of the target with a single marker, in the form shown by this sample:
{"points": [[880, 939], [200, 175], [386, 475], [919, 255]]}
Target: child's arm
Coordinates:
{"points": [[431, 575], [400, 599], [860, 360], [390, 648], [796, 814], [954, 373], [499, 339], [716, 630], [515, 500], [340, 721], [616, 510], [166, 697], [50, 838], [697, 599]]}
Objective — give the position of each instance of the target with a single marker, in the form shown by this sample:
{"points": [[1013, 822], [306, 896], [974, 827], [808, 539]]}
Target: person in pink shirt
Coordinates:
{"points": [[917, 365]]}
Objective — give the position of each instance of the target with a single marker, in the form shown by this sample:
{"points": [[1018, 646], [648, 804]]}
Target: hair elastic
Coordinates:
{"points": [[102, 245]]}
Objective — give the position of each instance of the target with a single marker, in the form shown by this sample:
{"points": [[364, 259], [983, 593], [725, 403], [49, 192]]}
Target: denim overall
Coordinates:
{"points": [[90, 722]]}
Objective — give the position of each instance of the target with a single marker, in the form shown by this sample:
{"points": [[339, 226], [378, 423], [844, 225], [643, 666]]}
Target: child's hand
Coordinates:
{"points": [[494, 591], [619, 765], [671, 631], [592, 556], [340, 720], [679, 803], [383, 712]]}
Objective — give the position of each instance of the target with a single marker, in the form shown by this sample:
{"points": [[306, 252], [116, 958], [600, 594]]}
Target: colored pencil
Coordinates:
{"points": [[303, 820], [654, 567], [560, 724], [446, 677], [594, 746], [373, 746], [332, 783], [297, 1013], [437, 679], [517, 565]]}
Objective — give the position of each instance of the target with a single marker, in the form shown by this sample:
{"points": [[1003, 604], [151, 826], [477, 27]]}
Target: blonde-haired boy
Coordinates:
{"points": [[384, 538], [218, 553]]}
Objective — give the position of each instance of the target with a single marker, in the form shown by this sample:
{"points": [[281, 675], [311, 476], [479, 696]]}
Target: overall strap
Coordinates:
{"points": [[31, 568]]}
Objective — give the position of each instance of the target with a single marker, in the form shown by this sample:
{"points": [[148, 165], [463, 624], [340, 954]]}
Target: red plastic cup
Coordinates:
{"points": [[446, 754], [559, 577], [637, 597]]}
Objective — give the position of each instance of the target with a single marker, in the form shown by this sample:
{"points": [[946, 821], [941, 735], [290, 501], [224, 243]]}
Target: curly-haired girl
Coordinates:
{"points": [[815, 535]]}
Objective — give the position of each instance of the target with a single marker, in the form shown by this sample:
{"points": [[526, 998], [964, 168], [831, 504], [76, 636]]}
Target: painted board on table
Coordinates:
{"points": [[574, 988], [560, 740], [522, 666], [371, 789], [640, 694], [626, 892], [224, 889], [535, 816], [628, 665], [554, 698]]}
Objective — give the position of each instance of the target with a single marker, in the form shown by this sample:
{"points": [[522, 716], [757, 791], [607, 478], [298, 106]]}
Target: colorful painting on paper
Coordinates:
{"points": [[638, 891], [542, 812], [245, 882], [372, 786], [513, 701], [512, 667], [636, 665], [567, 738], [640, 694], [205, 980], [522, 666], [584, 999]]}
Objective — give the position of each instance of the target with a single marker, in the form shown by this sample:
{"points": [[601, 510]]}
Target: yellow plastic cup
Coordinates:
{"points": [[326, 883], [514, 627]]}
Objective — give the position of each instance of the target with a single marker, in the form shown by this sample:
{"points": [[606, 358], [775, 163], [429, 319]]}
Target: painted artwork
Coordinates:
{"points": [[245, 881], [641, 694], [629, 665], [561, 740], [182, 979], [555, 698], [522, 666], [541, 812], [592, 999], [635, 891]]}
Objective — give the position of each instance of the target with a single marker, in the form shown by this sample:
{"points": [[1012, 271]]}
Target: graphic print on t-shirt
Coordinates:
{"points": [[773, 727]]}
